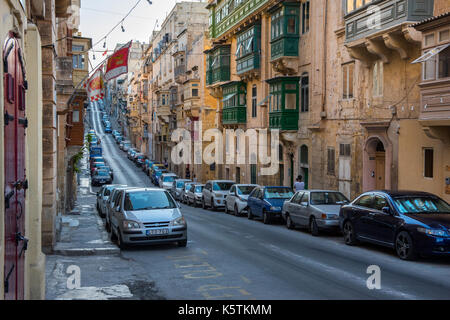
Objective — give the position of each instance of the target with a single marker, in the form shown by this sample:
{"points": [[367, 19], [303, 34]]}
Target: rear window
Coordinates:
{"points": [[245, 190], [278, 193], [198, 189], [169, 179], [421, 204], [222, 186], [148, 200]]}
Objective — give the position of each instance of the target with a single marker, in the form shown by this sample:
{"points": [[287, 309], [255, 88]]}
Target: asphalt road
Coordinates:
{"points": [[234, 258]]}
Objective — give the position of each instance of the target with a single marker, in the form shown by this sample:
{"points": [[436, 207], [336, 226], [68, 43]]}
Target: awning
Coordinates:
{"points": [[228, 97], [265, 100], [429, 54]]}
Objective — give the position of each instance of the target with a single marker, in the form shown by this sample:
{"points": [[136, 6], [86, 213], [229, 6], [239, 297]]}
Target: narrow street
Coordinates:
{"points": [[235, 258]]}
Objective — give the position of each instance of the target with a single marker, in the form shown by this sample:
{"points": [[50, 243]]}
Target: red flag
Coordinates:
{"points": [[118, 63], [105, 53], [95, 85]]}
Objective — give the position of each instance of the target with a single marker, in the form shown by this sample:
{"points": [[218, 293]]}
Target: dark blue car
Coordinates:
{"points": [[267, 202], [413, 223]]}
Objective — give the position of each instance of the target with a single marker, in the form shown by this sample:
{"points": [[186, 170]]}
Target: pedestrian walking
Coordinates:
{"points": [[299, 184], [194, 178]]}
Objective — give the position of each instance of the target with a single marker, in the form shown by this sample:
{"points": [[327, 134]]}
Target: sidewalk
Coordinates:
{"points": [[84, 245]]}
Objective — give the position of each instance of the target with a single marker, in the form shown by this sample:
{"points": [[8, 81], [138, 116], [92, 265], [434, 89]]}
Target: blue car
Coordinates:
{"points": [[410, 222], [267, 202], [108, 130], [156, 174]]}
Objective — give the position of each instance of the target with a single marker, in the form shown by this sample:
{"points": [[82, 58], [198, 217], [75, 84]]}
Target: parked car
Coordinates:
{"points": [[184, 191], [410, 222], [156, 166], [96, 159], [110, 203], [166, 180], [131, 152], [95, 152], [135, 156], [101, 177], [237, 197], [267, 202], [315, 209], [177, 188], [156, 174], [215, 192], [126, 146], [107, 168], [96, 165], [108, 130], [119, 140], [145, 216], [194, 194], [102, 197]]}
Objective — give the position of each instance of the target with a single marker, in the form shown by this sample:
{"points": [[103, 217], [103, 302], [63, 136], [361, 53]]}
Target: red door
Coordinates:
{"points": [[15, 124]]}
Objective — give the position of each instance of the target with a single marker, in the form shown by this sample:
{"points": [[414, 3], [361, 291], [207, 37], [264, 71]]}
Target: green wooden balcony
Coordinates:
{"points": [[248, 48], [234, 103], [285, 30], [218, 64], [234, 115], [284, 103]]}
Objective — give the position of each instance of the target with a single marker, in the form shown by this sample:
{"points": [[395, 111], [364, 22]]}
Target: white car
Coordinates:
{"points": [[237, 197], [215, 192], [194, 194], [166, 180]]}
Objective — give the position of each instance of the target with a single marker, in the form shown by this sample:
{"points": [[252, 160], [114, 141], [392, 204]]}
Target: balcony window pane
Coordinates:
{"points": [[444, 63], [359, 3], [444, 35], [291, 101], [291, 28], [350, 5], [429, 67]]}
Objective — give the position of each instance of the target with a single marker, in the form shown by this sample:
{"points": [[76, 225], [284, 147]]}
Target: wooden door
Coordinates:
{"points": [[380, 170]]}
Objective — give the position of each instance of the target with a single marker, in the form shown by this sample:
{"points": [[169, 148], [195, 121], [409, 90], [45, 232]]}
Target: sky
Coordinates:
{"points": [[99, 16]]}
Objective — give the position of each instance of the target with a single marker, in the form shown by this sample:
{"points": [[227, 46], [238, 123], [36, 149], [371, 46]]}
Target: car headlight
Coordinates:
{"points": [[178, 222], [127, 224], [434, 232], [275, 209]]}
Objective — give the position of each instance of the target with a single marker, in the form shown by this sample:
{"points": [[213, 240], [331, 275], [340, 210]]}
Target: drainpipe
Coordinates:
{"points": [[324, 95]]}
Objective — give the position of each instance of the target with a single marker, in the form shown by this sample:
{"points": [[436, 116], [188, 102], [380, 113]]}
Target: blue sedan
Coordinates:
{"points": [[410, 222], [267, 202]]}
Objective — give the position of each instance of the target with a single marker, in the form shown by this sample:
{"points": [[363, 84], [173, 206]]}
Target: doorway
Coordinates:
{"points": [[380, 166]]}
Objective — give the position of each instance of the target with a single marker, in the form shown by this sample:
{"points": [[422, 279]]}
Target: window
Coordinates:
{"points": [[254, 102], [331, 161], [365, 201], [429, 69], [356, 4], [444, 63], [77, 48], [78, 61], [347, 80], [377, 80], [305, 17], [246, 42], [277, 25], [253, 173], [195, 92], [275, 97], [76, 116], [305, 93], [444, 35], [344, 150], [428, 162], [380, 203]]}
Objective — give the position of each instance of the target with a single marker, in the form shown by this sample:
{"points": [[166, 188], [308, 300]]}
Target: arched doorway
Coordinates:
{"points": [[376, 165]]}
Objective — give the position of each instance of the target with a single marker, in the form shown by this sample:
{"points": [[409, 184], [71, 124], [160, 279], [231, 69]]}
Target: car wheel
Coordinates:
{"points": [[404, 246], [203, 204], [213, 206], [113, 234], [289, 223], [266, 218], [120, 242], [182, 243], [236, 211], [313, 228], [226, 209], [107, 226], [349, 233], [250, 214]]}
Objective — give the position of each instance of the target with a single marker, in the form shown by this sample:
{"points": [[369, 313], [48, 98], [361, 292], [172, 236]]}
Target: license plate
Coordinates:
{"points": [[156, 232]]}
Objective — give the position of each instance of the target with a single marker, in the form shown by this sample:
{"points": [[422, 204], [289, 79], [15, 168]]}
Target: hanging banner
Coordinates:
{"points": [[118, 63], [95, 86]]}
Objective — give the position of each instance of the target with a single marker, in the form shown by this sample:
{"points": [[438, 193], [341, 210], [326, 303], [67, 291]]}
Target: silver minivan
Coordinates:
{"points": [[215, 192], [145, 216], [315, 209]]}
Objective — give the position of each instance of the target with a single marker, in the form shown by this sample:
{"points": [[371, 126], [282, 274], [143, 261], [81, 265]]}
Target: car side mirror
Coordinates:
{"points": [[386, 210]]}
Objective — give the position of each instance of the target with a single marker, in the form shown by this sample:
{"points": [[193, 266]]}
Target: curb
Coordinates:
{"points": [[86, 251]]}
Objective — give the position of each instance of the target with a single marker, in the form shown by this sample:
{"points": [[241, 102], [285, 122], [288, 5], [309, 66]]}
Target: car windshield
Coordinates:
{"points": [[102, 173], [421, 204], [222, 186], [198, 189], [245, 190], [187, 186], [278, 193], [169, 179], [148, 200], [328, 198], [180, 184]]}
